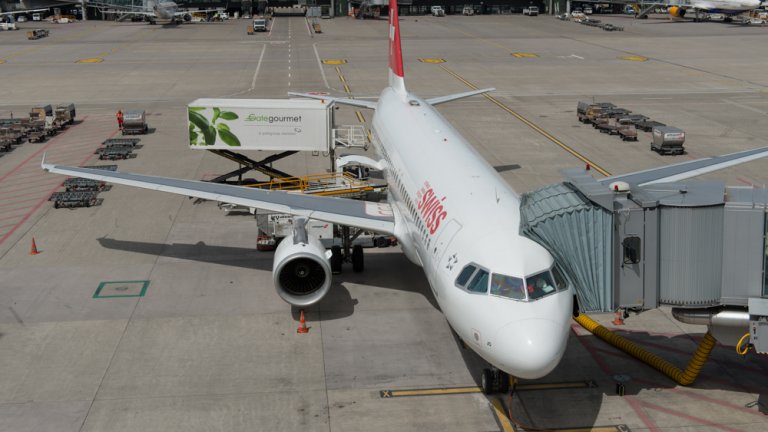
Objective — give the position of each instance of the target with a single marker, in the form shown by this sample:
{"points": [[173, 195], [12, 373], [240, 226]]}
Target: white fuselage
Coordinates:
{"points": [[471, 216], [726, 6], [165, 10]]}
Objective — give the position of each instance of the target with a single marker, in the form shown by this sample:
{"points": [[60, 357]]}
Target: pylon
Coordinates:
{"points": [[619, 320], [302, 324], [33, 250]]}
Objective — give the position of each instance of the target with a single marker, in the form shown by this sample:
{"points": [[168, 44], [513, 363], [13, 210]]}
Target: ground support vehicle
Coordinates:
{"points": [[37, 34], [36, 132], [75, 199], [668, 140], [611, 27], [116, 153], [11, 135], [76, 184], [531, 11], [468, 11], [437, 11], [583, 107], [648, 125], [65, 114], [627, 131], [111, 142], [135, 122]]}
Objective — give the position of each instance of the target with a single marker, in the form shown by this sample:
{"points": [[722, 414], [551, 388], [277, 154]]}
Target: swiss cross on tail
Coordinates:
{"points": [[395, 53]]}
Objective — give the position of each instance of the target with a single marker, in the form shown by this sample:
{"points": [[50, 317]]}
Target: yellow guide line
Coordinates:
{"points": [[346, 89], [463, 390], [360, 117], [501, 417], [341, 77], [529, 124]]}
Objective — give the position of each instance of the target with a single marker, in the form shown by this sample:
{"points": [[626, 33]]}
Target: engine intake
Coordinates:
{"points": [[187, 17], [676, 11], [301, 271]]}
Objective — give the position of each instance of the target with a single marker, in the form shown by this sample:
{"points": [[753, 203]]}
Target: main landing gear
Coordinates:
{"points": [[347, 252], [494, 381]]}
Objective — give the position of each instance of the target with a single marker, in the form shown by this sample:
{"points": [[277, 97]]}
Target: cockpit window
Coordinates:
{"points": [[479, 282], [539, 285], [560, 281], [507, 286], [466, 272]]}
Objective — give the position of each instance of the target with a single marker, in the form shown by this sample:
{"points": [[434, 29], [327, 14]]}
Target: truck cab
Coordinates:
{"points": [[437, 11]]}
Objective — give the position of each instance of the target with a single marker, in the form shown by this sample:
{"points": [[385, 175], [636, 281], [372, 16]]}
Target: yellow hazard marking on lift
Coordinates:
{"points": [[90, 60], [370, 135], [360, 117], [432, 60], [524, 55], [335, 61], [635, 58]]}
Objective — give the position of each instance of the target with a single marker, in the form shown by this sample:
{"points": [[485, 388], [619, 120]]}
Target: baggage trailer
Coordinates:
{"points": [[135, 122], [77, 184], [75, 199], [121, 142], [648, 125], [668, 140], [116, 153]]}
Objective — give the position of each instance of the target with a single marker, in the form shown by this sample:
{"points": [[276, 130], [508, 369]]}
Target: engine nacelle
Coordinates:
{"points": [[676, 11], [301, 271], [187, 17]]}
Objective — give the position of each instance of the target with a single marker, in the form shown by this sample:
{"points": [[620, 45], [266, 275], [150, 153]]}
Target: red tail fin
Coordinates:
{"points": [[396, 80]]}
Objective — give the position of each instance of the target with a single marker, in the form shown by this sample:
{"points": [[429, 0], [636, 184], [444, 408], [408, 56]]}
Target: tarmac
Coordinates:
{"points": [[154, 312]]}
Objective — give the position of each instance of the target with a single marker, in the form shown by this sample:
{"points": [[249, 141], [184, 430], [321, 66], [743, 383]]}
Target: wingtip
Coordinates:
{"points": [[43, 165]]}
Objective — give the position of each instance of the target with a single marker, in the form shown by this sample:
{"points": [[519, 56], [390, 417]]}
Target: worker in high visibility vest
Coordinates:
{"points": [[119, 116]]}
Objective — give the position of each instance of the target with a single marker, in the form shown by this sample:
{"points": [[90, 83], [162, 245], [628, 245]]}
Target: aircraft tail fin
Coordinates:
{"points": [[396, 78]]}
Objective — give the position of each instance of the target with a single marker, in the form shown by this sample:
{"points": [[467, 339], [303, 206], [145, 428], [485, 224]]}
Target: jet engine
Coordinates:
{"points": [[187, 17], [301, 271], [676, 11]]}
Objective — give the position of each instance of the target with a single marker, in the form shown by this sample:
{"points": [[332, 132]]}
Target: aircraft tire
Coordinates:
{"points": [[486, 381], [358, 262], [336, 260]]}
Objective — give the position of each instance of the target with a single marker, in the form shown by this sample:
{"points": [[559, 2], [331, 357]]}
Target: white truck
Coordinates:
{"points": [[437, 11], [259, 24], [531, 11]]}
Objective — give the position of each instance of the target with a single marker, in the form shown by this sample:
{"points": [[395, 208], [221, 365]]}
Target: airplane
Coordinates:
{"points": [[724, 7], [453, 215], [154, 11]]}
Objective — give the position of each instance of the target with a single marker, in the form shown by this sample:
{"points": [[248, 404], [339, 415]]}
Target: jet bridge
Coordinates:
{"points": [[699, 246]]}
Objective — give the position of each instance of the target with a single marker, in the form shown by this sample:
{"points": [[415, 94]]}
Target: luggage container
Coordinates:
{"points": [[65, 113], [668, 140], [135, 122], [37, 34]]}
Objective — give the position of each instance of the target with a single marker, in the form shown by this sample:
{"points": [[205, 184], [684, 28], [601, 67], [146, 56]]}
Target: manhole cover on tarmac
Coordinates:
{"points": [[113, 289]]}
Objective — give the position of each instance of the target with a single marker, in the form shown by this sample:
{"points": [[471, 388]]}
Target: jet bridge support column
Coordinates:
{"points": [[84, 10]]}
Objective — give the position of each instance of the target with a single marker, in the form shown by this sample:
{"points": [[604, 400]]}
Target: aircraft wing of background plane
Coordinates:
{"points": [[362, 214], [686, 170], [23, 11]]}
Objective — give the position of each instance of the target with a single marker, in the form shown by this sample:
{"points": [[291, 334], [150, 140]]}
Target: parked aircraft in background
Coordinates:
{"points": [[163, 11], [724, 7], [453, 215]]}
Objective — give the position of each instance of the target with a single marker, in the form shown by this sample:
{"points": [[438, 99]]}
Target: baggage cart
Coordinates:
{"points": [[668, 140], [135, 122]]}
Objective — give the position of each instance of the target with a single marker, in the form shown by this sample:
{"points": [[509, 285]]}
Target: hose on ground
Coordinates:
{"points": [[744, 351], [682, 377]]}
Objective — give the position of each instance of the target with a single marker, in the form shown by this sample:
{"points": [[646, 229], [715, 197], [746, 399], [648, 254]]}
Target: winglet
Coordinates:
{"points": [[396, 76], [43, 165]]}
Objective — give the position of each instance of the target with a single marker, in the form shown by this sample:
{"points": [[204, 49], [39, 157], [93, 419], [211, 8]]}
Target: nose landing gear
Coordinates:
{"points": [[494, 381]]}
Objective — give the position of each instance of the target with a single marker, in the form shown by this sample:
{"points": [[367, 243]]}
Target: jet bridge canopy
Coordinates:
{"points": [[687, 244]]}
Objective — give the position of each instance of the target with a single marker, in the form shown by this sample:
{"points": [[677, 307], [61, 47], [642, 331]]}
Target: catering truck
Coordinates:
{"points": [[260, 124]]}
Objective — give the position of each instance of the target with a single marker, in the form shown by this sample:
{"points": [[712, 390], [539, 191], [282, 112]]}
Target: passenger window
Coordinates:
{"points": [[479, 283], [464, 275], [507, 286], [560, 281], [539, 285]]}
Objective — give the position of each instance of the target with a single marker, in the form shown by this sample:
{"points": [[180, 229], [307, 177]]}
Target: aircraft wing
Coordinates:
{"points": [[182, 13], [345, 101], [362, 214], [17, 12], [685, 170]]}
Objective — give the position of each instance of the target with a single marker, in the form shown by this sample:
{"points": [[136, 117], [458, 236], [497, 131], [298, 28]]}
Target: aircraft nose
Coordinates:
{"points": [[530, 348]]}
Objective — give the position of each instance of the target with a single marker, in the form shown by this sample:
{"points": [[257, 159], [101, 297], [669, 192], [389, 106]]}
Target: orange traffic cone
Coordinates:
{"points": [[33, 250], [302, 324], [619, 318]]}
